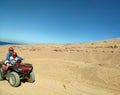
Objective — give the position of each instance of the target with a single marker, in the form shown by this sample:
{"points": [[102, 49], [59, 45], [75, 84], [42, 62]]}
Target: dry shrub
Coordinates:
{"points": [[98, 47], [105, 41], [112, 51], [66, 48], [103, 51], [57, 50], [110, 47], [92, 43], [32, 49], [115, 46], [100, 64], [78, 50], [60, 50]]}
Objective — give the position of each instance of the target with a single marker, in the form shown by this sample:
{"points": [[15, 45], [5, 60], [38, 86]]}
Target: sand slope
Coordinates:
{"points": [[91, 68]]}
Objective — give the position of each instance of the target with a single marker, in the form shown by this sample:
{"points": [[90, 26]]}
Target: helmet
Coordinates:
{"points": [[14, 54], [10, 49]]}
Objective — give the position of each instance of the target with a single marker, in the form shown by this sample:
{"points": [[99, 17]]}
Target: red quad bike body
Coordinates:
{"points": [[16, 73]]}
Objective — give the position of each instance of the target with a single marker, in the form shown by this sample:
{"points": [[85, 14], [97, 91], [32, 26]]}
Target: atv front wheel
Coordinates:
{"points": [[14, 79], [31, 77], [1, 74]]}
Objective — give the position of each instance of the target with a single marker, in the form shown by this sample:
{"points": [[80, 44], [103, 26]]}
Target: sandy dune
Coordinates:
{"points": [[91, 68]]}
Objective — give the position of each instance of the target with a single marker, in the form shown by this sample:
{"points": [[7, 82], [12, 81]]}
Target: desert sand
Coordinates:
{"points": [[90, 68]]}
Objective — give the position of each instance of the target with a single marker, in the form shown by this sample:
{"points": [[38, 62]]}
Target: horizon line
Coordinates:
{"points": [[14, 42]]}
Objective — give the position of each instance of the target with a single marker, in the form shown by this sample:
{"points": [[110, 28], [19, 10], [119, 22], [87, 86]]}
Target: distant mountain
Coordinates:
{"points": [[6, 43]]}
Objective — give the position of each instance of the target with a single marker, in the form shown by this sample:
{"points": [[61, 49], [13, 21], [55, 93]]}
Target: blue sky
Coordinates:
{"points": [[59, 21]]}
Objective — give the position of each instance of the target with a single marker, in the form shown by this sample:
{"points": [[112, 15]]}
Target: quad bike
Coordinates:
{"points": [[17, 72]]}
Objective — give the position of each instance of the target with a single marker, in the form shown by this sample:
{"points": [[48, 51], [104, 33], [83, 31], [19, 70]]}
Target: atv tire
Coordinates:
{"points": [[14, 79], [1, 75], [31, 77]]}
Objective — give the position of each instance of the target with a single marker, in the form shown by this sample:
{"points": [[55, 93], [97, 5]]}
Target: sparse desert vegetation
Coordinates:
{"points": [[91, 68]]}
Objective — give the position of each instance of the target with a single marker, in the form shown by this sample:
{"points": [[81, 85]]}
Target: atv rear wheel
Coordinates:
{"points": [[31, 77], [14, 79]]}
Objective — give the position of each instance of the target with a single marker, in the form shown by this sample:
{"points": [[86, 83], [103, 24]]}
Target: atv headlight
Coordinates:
{"points": [[30, 68]]}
